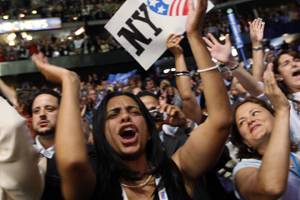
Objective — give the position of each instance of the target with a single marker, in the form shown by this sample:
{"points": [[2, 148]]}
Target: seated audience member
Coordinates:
{"points": [[131, 162], [20, 178]]}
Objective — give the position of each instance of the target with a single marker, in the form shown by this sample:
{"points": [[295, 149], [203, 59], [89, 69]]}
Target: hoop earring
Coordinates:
{"points": [[250, 150]]}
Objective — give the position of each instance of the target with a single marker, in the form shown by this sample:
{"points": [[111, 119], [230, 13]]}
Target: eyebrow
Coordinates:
{"points": [[47, 105], [117, 109], [250, 111], [288, 60]]}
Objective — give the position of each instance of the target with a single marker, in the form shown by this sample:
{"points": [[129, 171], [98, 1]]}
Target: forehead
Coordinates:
{"points": [[150, 81], [45, 99], [92, 91], [285, 57], [246, 108], [149, 101], [120, 101]]}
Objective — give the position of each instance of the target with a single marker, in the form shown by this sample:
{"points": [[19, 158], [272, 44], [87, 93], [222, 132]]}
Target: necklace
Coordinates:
{"points": [[138, 185]]}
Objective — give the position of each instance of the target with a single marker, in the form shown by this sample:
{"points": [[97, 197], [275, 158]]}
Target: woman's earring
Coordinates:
{"points": [[250, 150]]}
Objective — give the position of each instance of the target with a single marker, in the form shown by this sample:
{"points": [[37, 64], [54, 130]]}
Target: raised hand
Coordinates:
{"points": [[51, 72], [173, 44], [257, 27], [175, 117], [197, 11], [221, 52], [273, 92]]}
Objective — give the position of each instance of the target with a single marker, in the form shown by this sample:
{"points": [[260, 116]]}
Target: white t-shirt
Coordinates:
{"points": [[295, 122], [294, 119], [293, 185], [20, 177]]}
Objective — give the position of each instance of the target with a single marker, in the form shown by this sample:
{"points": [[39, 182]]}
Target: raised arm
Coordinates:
{"points": [[222, 52], [206, 141], [78, 179], [20, 176], [9, 93], [247, 80], [257, 27], [269, 181], [190, 107]]}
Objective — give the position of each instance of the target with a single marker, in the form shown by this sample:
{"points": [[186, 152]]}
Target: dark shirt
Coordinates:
{"points": [[52, 189]]}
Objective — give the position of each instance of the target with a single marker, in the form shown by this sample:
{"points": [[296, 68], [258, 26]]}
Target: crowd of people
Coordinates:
{"points": [[67, 10], [56, 47], [274, 15], [222, 132], [87, 43]]}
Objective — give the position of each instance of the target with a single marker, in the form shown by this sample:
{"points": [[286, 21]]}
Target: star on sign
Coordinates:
{"points": [[161, 9], [153, 2]]}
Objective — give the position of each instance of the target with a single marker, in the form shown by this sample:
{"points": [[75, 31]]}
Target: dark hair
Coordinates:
{"points": [[24, 98], [281, 84], [110, 166], [146, 80], [49, 91], [285, 89], [235, 137], [146, 93]]}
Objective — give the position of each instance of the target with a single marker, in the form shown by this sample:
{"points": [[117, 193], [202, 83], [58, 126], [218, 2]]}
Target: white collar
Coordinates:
{"points": [[48, 153], [297, 95], [169, 130]]}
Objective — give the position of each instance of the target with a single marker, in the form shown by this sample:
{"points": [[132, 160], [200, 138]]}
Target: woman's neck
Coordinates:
{"points": [[139, 165], [262, 148]]}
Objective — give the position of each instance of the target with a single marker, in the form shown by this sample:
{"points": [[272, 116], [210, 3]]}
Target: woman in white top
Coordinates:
{"points": [[262, 137], [287, 71]]}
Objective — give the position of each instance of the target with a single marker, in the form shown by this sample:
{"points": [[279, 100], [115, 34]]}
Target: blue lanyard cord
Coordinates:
{"points": [[296, 164]]}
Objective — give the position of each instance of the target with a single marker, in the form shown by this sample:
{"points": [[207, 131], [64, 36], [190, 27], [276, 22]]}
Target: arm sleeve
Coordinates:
{"points": [[20, 176], [243, 164]]}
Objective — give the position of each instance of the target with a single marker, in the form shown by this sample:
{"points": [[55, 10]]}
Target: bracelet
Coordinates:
{"points": [[257, 48], [182, 73], [234, 67], [208, 69]]}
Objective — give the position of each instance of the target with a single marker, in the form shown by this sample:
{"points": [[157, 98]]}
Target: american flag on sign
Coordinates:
{"points": [[169, 7]]}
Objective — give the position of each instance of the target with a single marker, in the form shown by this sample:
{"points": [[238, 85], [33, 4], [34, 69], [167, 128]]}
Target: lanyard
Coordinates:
{"points": [[296, 164], [162, 193]]}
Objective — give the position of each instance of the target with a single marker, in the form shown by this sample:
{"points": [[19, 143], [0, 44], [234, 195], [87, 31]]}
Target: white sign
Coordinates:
{"points": [[143, 26]]}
